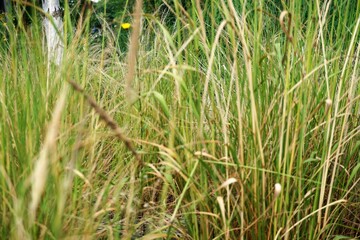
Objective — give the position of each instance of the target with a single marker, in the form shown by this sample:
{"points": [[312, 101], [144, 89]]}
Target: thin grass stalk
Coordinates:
{"points": [[327, 163]]}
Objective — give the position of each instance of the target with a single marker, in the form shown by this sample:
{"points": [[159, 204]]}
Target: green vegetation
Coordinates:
{"points": [[231, 98]]}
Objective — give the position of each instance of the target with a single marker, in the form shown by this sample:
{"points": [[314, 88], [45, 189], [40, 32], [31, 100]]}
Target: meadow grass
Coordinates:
{"points": [[235, 120]]}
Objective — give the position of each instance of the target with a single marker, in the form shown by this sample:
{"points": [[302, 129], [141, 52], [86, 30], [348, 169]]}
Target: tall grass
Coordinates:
{"points": [[246, 125]]}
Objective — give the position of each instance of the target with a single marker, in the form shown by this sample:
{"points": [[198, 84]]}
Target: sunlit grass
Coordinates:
{"points": [[245, 125]]}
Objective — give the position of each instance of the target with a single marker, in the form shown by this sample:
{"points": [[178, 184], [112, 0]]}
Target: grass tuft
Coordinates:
{"points": [[213, 120]]}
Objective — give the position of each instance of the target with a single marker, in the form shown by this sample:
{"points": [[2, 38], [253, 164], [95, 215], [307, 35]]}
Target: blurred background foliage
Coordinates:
{"points": [[110, 14]]}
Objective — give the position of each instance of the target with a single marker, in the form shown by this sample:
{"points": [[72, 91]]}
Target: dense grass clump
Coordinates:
{"points": [[229, 120]]}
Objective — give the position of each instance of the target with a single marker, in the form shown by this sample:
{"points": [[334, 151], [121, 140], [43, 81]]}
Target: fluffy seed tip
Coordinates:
{"points": [[277, 189], [328, 102]]}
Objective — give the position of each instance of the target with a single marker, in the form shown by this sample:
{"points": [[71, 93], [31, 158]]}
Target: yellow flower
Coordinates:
{"points": [[125, 25]]}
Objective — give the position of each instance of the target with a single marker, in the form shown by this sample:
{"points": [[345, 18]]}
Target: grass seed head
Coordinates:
{"points": [[277, 190]]}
